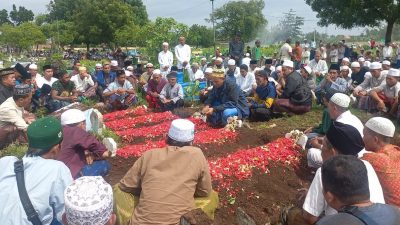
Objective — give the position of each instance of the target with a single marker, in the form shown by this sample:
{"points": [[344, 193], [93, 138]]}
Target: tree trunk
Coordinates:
{"points": [[87, 47], [389, 30]]}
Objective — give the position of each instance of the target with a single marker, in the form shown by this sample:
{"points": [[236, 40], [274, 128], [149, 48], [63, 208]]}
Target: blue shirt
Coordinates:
{"points": [[102, 80]]}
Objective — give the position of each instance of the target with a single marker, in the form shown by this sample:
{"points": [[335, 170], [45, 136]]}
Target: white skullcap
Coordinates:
{"points": [[278, 68], [149, 65], [203, 59], [157, 71], [231, 62], [89, 200], [386, 62], [208, 70], [129, 68], [33, 66], [375, 66], [381, 126], [219, 59], [361, 59], [346, 59], [195, 64], [72, 116], [181, 130], [165, 44], [128, 73], [355, 64], [308, 69], [341, 100], [344, 68], [367, 64], [288, 63], [114, 63], [98, 65], [393, 73], [247, 54]]}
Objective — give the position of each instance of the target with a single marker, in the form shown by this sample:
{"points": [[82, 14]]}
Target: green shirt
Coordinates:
{"points": [[325, 123], [256, 53], [63, 90]]}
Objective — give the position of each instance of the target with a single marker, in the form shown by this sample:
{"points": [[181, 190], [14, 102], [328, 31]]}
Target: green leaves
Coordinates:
{"points": [[23, 37]]}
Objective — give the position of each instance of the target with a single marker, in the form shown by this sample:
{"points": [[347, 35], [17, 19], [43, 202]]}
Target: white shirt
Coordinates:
{"points": [[195, 76], [246, 83], [45, 181], [82, 85], [165, 59], [319, 66], [305, 57], [41, 80], [284, 52], [387, 51], [390, 92], [11, 114], [334, 55], [183, 53], [398, 53], [246, 61], [237, 71], [315, 203], [352, 120]]}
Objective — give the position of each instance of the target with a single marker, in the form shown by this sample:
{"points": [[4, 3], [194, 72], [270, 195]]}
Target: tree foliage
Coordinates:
{"points": [[349, 14], [4, 17], [245, 17], [22, 37], [62, 9], [60, 32], [139, 12], [200, 36], [20, 15]]}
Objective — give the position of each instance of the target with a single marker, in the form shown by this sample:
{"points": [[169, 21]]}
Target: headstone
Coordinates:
{"points": [[96, 119], [242, 218], [111, 146]]}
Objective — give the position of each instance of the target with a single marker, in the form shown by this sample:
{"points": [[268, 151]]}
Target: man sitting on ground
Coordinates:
{"points": [[345, 183], [358, 73], [146, 76], [331, 81], [120, 93], [81, 151], [154, 88], [264, 96], [246, 81], [63, 92], [195, 73], [84, 84], [171, 96], [13, 118], [7, 84], [384, 157], [232, 71], [224, 100], [45, 178], [168, 177]]}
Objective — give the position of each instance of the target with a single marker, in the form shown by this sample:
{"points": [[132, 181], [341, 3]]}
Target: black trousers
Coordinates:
{"points": [[260, 114], [171, 105]]}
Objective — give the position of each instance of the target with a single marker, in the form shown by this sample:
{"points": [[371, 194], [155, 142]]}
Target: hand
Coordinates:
{"points": [[308, 130], [73, 98], [317, 73], [89, 157], [381, 106], [121, 91], [154, 94], [363, 93], [166, 67], [167, 100], [315, 143], [329, 79], [210, 111]]}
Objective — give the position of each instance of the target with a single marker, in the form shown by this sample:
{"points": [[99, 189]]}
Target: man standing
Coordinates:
{"points": [[45, 178], [154, 88], [297, 55], [318, 67], [183, 53], [165, 59], [387, 51], [172, 176], [7, 84], [120, 93], [236, 49], [256, 52], [285, 53], [171, 96]]}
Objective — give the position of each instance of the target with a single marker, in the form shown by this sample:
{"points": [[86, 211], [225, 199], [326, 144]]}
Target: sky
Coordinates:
{"points": [[195, 11]]}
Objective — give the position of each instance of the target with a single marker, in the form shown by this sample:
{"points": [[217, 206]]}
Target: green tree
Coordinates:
{"points": [[41, 19], [245, 17], [4, 17], [127, 35], [21, 15], [349, 14], [139, 12], [60, 32], [22, 37], [200, 36], [62, 9]]}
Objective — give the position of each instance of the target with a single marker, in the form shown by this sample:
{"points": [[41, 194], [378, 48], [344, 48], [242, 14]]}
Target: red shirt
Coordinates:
{"points": [[386, 163]]}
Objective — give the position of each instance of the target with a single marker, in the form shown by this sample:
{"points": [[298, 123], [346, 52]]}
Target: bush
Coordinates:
{"points": [[15, 149]]}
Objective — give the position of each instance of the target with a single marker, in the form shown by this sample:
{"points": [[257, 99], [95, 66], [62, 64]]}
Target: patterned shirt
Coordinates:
{"points": [[63, 90], [172, 92]]}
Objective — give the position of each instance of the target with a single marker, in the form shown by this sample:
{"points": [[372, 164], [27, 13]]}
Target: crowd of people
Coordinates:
{"points": [[356, 173]]}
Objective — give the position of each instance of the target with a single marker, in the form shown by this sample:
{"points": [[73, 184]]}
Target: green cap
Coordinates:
{"points": [[44, 133]]}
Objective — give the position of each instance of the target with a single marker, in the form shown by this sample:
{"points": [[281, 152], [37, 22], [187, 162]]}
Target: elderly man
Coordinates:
{"points": [[81, 152], [331, 81], [373, 79], [385, 97], [63, 92], [13, 118], [172, 176], [233, 71], [203, 64], [346, 75], [386, 65], [358, 73], [7, 84], [307, 74], [183, 53], [89, 200], [318, 67], [98, 67], [264, 96], [43, 178], [120, 93], [236, 49], [295, 96], [195, 73], [246, 81], [349, 194], [154, 88], [146, 76], [204, 93], [165, 59], [84, 84], [171, 96], [33, 70], [224, 100]]}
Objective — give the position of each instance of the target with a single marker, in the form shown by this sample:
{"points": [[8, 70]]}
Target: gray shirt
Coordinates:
{"points": [[172, 92]]}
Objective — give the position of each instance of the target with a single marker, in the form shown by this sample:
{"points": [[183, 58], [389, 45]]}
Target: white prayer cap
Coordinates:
{"points": [[149, 65], [128, 73], [231, 62], [361, 59], [278, 68], [219, 59], [203, 59], [308, 69], [367, 64], [394, 73], [375, 66], [381, 126], [181, 130], [195, 64], [247, 54], [341, 100], [346, 59], [114, 63], [89, 200], [98, 65], [165, 44], [208, 70], [386, 62], [344, 68], [72, 116], [157, 71], [33, 66], [129, 68], [288, 63], [355, 64]]}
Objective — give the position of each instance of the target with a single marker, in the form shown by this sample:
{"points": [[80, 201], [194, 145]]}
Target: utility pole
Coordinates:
{"points": [[213, 22]]}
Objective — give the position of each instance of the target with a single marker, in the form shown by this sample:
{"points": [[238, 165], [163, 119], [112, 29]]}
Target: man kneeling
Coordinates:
{"points": [[168, 179]]}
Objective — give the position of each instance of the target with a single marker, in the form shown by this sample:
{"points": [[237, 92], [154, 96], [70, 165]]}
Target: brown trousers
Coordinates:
{"points": [[10, 134]]}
